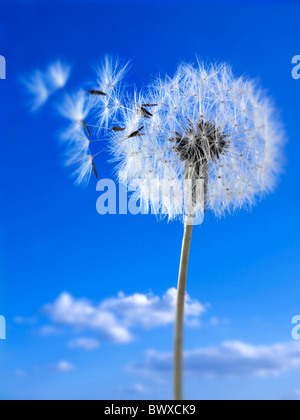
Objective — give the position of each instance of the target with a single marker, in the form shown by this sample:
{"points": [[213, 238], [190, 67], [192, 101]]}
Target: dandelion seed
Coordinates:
{"points": [[94, 169], [96, 93], [83, 173], [110, 74], [117, 129], [76, 109], [145, 113], [86, 128], [58, 74], [37, 88], [42, 84], [136, 133]]}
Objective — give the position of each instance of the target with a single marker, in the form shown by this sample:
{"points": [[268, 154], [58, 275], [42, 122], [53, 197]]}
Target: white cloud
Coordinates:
{"points": [[62, 366], [230, 359], [81, 314], [149, 311], [85, 343], [114, 318]]}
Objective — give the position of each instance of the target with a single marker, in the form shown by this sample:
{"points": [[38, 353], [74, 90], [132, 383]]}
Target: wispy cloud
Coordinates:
{"points": [[62, 367], [40, 85], [230, 359], [85, 343], [114, 318]]}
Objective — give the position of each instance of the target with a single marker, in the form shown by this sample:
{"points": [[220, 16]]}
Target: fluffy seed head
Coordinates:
{"points": [[201, 140]]}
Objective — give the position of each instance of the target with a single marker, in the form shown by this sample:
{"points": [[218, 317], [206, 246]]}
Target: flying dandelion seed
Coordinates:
{"points": [[76, 109], [58, 74], [41, 85], [215, 139], [37, 89]]}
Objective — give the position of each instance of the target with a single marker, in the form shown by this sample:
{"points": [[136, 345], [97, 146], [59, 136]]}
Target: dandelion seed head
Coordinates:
{"points": [[202, 140], [210, 127]]}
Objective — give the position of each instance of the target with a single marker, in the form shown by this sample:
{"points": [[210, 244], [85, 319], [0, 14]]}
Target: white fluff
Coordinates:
{"points": [[38, 89], [235, 118], [42, 84], [58, 74]]}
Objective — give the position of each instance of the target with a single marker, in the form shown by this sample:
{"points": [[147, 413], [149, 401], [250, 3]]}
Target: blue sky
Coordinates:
{"points": [[244, 269]]}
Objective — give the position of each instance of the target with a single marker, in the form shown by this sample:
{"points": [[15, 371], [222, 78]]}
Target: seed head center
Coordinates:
{"points": [[200, 144]]}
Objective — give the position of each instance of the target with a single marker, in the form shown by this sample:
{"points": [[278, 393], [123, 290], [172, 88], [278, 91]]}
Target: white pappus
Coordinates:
{"points": [[42, 84], [201, 140]]}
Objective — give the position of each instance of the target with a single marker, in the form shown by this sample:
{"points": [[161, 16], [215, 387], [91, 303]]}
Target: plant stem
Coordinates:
{"points": [[180, 310]]}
